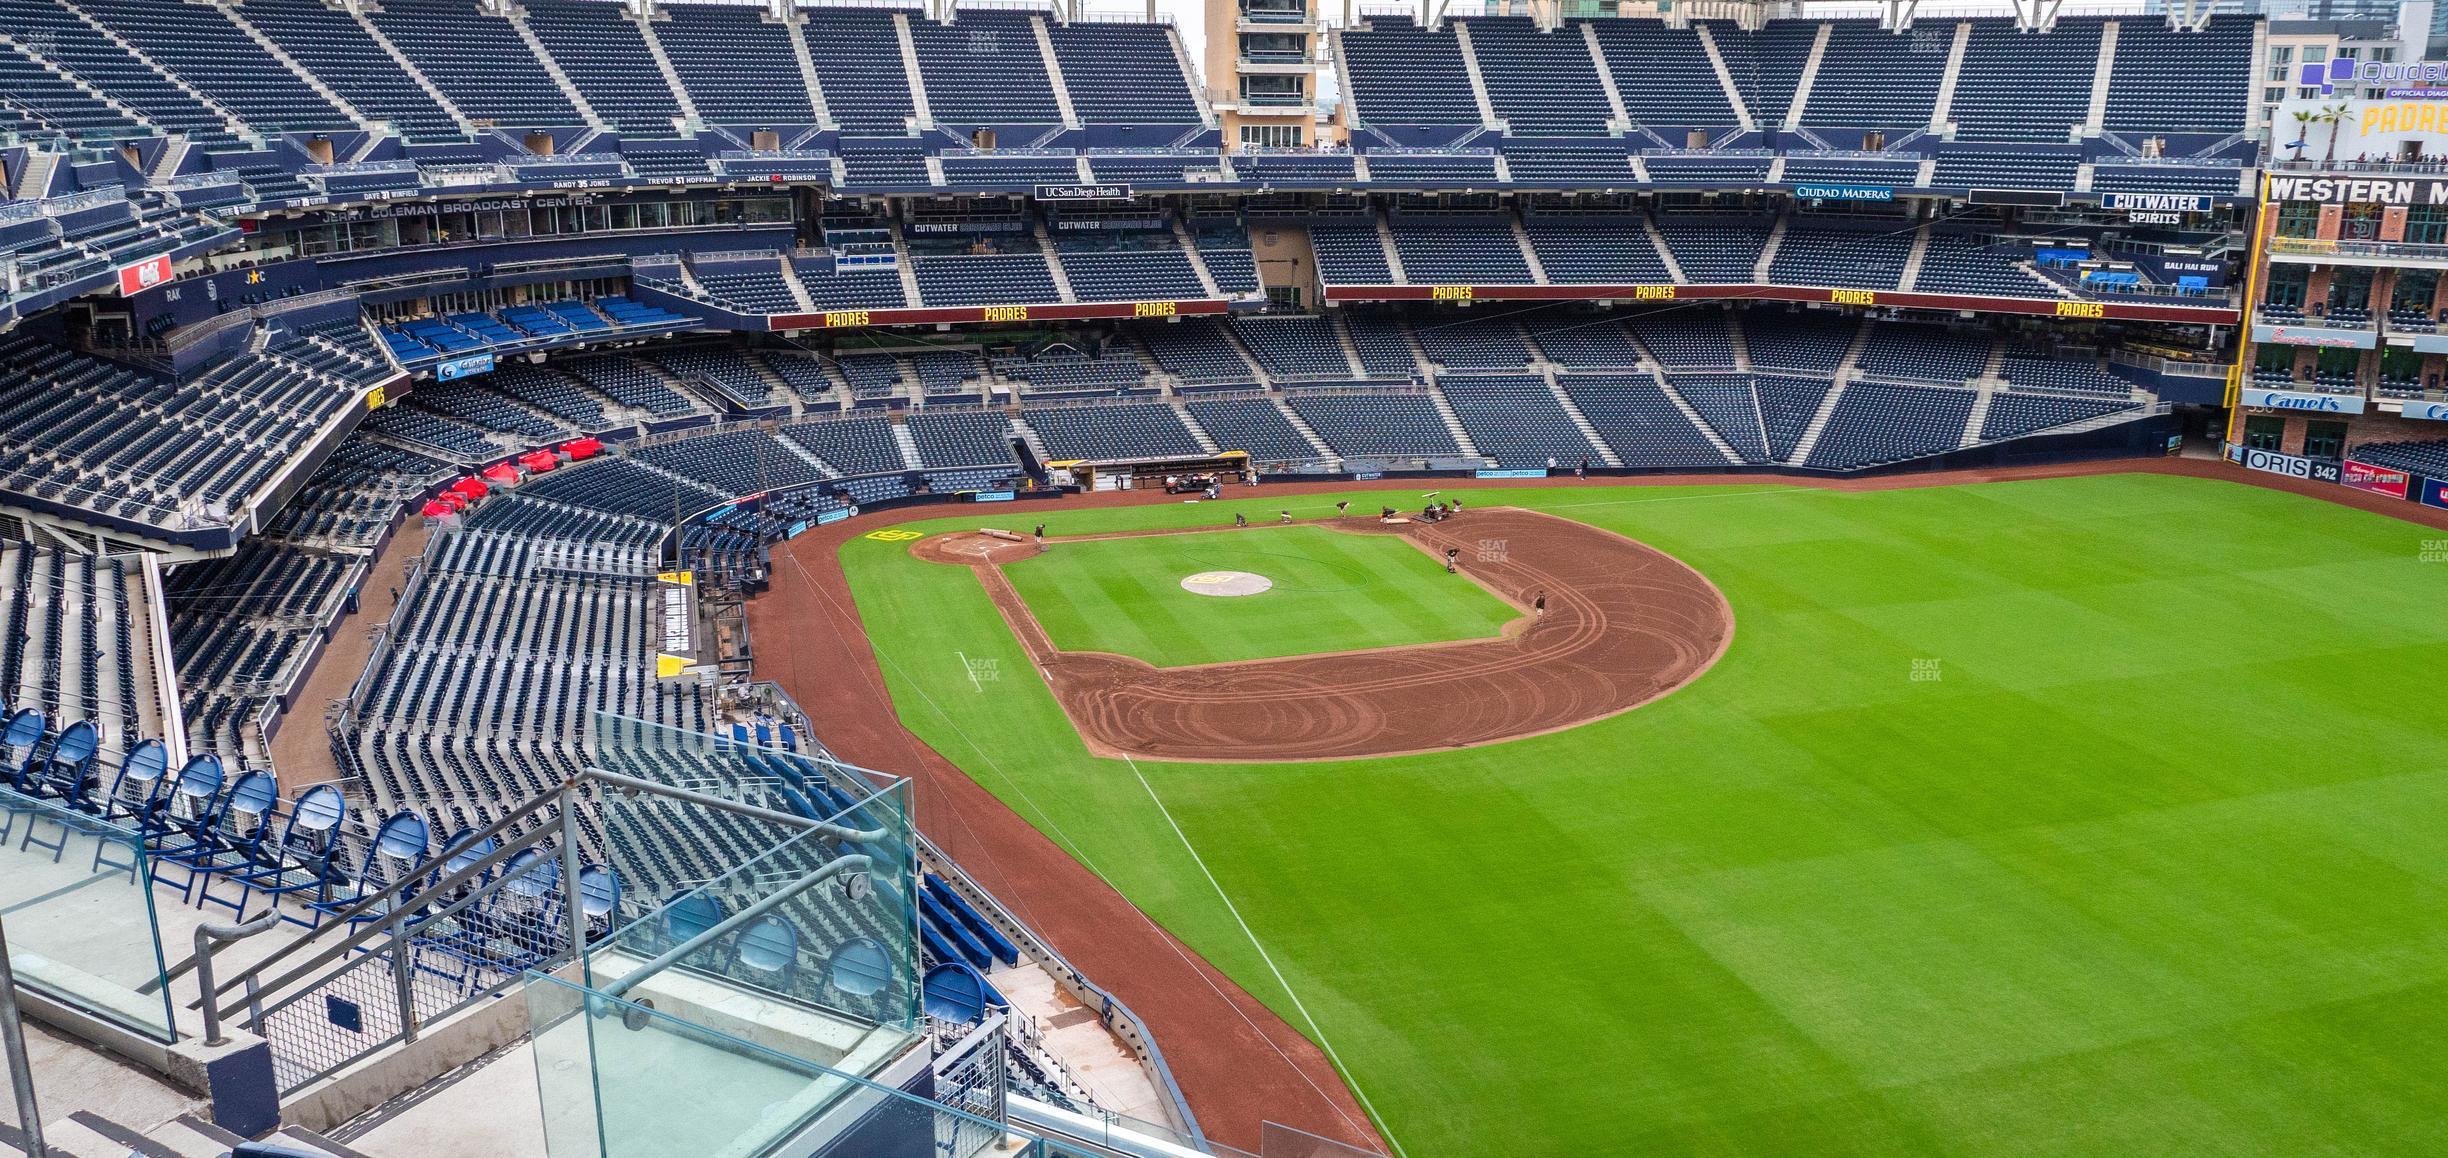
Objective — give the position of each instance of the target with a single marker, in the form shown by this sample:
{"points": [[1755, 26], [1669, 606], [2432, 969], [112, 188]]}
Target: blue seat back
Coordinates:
{"points": [[859, 967], [314, 819], [25, 729], [460, 852], [692, 915], [246, 816], [769, 946], [599, 890], [140, 779], [399, 846], [200, 781], [955, 992], [77, 744], [532, 873]]}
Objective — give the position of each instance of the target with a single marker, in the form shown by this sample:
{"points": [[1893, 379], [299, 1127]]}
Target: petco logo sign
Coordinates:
{"points": [[144, 275], [2327, 75]]}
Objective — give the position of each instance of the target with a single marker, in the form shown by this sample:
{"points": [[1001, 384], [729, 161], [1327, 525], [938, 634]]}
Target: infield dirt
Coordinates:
{"points": [[1623, 625]]}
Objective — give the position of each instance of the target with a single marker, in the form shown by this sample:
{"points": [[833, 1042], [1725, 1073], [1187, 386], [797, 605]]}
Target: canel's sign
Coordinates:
{"points": [[2300, 400]]}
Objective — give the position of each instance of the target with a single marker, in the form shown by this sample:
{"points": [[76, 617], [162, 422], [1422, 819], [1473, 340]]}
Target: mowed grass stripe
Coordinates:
{"points": [[1333, 592], [2154, 866]]}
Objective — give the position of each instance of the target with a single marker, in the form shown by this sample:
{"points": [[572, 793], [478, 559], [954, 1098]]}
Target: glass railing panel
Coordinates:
{"points": [[618, 1079], [834, 924], [75, 893]]}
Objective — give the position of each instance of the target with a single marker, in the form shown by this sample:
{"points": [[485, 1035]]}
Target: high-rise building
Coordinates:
{"points": [[1262, 70]]}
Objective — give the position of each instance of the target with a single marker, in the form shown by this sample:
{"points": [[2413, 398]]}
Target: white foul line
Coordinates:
{"points": [[1269, 958]]}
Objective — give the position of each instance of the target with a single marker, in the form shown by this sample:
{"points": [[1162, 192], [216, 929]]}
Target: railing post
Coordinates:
{"points": [[12, 1039], [402, 988], [205, 936], [573, 900]]}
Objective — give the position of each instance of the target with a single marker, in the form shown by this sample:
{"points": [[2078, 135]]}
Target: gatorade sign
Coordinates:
{"points": [[144, 275]]}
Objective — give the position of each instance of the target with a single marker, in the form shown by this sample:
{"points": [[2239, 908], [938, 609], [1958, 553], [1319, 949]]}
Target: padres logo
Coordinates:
{"points": [[893, 535]]}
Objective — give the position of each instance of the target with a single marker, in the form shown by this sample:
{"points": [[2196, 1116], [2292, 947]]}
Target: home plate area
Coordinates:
{"points": [[1225, 583]]}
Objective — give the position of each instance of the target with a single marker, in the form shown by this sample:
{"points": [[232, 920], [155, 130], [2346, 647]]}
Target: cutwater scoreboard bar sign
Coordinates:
{"points": [[2156, 202], [1844, 192]]}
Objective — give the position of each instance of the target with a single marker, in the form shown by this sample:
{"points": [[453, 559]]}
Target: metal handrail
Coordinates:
{"points": [[377, 914], [205, 938]]}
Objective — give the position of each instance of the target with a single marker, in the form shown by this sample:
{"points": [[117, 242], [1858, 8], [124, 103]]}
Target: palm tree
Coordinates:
{"points": [[2303, 130], [2331, 116]]}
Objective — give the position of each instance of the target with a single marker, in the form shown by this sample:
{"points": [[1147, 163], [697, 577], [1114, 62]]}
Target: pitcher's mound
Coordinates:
{"points": [[1225, 583]]}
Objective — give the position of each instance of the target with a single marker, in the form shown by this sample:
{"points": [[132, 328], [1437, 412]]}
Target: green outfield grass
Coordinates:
{"points": [[2151, 859], [1333, 592]]}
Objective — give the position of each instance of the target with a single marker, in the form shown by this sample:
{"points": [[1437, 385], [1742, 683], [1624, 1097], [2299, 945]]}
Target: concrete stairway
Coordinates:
{"points": [[1818, 426]]}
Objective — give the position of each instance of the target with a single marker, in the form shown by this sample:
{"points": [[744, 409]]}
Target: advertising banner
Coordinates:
{"points": [[2379, 480], [2338, 190], [2300, 400], [144, 275], [2157, 202], [1818, 192], [2426, 411], [2291, 465], [1534, 473], [2302, 335], [467, 367], [2435, 493], [1083, 193]]}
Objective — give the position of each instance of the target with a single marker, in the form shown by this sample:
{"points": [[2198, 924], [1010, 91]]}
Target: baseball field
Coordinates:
{"points": [[2092, 815]]}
